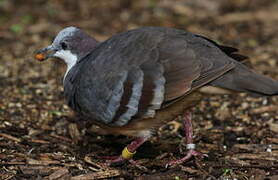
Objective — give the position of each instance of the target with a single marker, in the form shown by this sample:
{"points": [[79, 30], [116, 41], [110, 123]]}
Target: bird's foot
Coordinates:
{"points": [[191, 153], [189, 140], [114, 160], [118, 160], [127, 154]]}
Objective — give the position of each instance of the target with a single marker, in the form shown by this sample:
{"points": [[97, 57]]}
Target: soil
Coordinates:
{"points": [[40, 139]]}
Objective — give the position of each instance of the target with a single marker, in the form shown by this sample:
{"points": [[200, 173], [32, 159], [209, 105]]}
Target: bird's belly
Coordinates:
{"points": [[139, 127]]}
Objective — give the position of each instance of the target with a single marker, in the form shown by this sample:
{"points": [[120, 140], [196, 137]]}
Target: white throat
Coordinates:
{"points": [[69, 58]]}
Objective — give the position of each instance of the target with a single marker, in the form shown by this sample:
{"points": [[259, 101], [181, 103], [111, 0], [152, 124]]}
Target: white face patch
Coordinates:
{"points": [[69, 58]]}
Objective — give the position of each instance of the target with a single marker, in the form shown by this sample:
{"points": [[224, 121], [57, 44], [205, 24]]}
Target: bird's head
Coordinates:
{"points": [[71, 44]]}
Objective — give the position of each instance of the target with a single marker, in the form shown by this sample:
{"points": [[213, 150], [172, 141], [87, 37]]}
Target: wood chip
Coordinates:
{"points": [[38, 162], [256, 147], [74, 132], [58, 174], [258, 156], [6, 176], [271, 108], [171, 174], [61, 138], [11, 163], [98, 175], [238, 162], [273, 127], [88, 160], [9, 137], [188, 170], [39, 141], [38, 170]]}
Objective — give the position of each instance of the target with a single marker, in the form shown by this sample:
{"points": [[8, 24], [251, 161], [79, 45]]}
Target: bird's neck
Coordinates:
{"points": [[70, 65], [88, 45], [69, 58]]}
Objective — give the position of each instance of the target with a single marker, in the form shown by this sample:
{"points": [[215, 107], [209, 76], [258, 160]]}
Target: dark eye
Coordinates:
{"points": [[64, 45]]}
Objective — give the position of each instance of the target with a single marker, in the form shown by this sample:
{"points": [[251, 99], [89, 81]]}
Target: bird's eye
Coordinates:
{"points": [[64, 45]]}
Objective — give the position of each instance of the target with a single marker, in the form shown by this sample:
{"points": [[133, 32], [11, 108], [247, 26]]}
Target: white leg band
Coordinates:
{"points": [[190, 146]]}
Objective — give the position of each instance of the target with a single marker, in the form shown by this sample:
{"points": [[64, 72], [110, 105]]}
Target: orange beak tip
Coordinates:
{"points": [[40, 57]]}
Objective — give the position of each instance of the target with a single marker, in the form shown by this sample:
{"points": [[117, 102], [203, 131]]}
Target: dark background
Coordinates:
{"points": [[39, 139]]}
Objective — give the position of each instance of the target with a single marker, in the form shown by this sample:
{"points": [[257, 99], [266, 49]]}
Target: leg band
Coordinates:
{"points": [[190, 146], [126, 154]]}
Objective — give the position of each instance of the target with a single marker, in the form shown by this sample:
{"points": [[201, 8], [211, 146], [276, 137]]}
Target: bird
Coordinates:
{"points": [[138, 80]]}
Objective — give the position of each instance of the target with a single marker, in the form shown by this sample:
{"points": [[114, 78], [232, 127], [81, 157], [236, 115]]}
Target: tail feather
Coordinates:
{"points": [[243, 79]]}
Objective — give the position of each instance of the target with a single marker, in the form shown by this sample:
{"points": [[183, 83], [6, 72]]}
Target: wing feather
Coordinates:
{"points": [[135, 73]]}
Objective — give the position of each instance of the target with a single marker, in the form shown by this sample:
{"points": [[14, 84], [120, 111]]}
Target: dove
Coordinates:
{"points": [[138, 80]]}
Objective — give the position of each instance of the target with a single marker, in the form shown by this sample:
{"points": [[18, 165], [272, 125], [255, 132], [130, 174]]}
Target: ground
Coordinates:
{"points": [[39, 139]]}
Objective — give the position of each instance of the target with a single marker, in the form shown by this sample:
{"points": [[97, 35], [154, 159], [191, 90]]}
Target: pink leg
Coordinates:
{"points": [[189, 140], [132, 147]]}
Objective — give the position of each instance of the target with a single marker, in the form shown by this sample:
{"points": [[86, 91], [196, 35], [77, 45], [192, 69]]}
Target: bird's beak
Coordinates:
{"points": [[45, 53]]}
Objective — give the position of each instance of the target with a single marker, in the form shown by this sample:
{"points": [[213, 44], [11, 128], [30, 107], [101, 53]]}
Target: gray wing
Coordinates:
{"points": [[101, 86], [135, 73]]}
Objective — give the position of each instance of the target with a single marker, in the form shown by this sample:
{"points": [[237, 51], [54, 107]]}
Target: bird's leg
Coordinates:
{"points": [[128, 152], [189, 141]]}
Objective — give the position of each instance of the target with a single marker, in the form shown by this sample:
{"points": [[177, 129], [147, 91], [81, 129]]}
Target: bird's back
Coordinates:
{"points": [[135, 73]]}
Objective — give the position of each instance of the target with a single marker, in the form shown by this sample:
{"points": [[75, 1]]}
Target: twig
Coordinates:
{"points": [[12, 163], [39, 141], [88, 160], [61, 138], [7, 136]]}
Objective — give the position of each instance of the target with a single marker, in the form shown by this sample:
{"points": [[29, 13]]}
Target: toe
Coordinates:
{"points": [[115, 161]]}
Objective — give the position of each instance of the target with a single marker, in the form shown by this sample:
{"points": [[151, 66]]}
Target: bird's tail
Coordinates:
{"points": [[243, 79]]}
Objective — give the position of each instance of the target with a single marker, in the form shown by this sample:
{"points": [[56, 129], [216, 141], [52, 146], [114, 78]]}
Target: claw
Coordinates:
{"points": [[189, 140], [191, 153], [114, 160]]}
